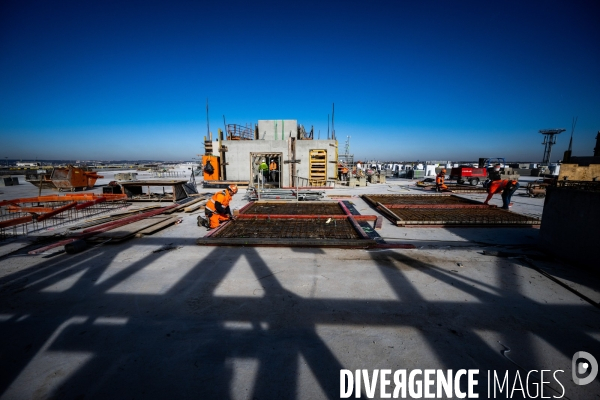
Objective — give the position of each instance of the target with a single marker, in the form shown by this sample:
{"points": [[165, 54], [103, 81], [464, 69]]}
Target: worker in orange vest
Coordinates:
{"points": [[506, 187], [439, 181], [217, 208], [344, 173], [273, 170]]}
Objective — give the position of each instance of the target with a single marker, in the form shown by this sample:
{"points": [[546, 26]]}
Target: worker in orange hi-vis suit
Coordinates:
{"points": [[439, 181], [493, 188], [506, 187], [273, 170], [344, 174], [217, 208]]}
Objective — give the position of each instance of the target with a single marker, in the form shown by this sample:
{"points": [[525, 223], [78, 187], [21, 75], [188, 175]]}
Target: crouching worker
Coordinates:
{"points": [[506, 187], [439, 181], [509, 189], [217, 208]]}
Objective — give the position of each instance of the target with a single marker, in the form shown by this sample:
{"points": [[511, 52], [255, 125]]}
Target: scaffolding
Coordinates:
{"points": [[239, 132], [549, 141]]}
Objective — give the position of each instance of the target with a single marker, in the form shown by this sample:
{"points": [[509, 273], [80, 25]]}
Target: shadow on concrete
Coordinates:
{"points": [[185, 342]]}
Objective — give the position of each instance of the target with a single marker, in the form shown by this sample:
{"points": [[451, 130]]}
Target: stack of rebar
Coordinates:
{"points": [[21, 216], [283, 194]]}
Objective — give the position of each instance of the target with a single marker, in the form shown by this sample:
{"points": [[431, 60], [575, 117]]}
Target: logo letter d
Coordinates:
{"points": [[592, 363]]}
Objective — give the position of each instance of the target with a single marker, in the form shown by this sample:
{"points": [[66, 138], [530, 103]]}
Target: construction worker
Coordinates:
{"points": [[494, 174], [217, 208], [509, 189], [264, 169], [506, 187], [344, 173], [439, 181], [273, 170]]}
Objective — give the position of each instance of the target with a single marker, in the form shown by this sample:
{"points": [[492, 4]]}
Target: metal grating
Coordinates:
{"points": [[463, 216], [289, 228], [389, 199], [294, 209], [444, 210], [467, 189]]}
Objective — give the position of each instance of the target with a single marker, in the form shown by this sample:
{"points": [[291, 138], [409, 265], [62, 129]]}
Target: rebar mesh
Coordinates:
{"points": [[288, 228], [7, 214], [294, 209], [416, 199], [463, 216]]}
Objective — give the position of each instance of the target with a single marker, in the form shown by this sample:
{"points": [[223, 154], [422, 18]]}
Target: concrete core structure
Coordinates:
{"points": [[277, 140]]}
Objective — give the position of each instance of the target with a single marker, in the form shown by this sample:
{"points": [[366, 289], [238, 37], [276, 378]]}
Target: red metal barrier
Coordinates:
{"points": [[87, 204], [102, 228], [35, 210], [125, 221], [16, 221], [57, 211]]}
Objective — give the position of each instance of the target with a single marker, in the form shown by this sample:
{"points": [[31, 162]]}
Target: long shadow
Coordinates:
{"points": [[516, 327], [186, 341]]}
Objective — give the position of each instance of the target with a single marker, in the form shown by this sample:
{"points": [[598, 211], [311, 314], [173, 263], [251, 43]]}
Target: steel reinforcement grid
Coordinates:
{"points": [[41, 215], [289, 228], [460, 216], [294, 209], [389, 199]]}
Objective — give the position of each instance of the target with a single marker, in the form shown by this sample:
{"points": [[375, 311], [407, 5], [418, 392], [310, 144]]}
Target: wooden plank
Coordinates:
{"points": [[391, 216], [157, 227], [128, 230], [196, 206], [184, 206]]}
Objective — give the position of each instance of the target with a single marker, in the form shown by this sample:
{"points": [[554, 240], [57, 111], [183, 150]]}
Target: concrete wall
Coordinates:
{"points": [[575, 172], [570, 222], [277, 129], [238, 157]]}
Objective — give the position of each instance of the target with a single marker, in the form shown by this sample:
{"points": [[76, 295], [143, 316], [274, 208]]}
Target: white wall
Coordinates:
{"points": [[238, 156], [277, 129]]}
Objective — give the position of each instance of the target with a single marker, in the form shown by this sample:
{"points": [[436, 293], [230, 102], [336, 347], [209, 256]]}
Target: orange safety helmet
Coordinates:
{"points": [[232, 188], [443, 170]]}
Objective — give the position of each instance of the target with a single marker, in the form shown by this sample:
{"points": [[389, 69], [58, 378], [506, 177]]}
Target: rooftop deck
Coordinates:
{"points": [[162, 317]]}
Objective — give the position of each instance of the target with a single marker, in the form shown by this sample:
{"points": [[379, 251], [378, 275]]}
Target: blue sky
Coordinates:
{"points": [[445, 80]]}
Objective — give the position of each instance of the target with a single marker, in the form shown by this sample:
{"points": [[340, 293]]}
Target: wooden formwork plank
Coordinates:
{"points": [[125, 231], [195, 206], [157, 227]]}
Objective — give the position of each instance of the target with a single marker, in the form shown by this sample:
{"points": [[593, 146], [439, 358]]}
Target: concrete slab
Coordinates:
{"points": [[159, 316]]}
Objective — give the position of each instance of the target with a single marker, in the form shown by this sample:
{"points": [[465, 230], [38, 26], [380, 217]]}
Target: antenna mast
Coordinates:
{"points": [[549, 141], [207, 126]]}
